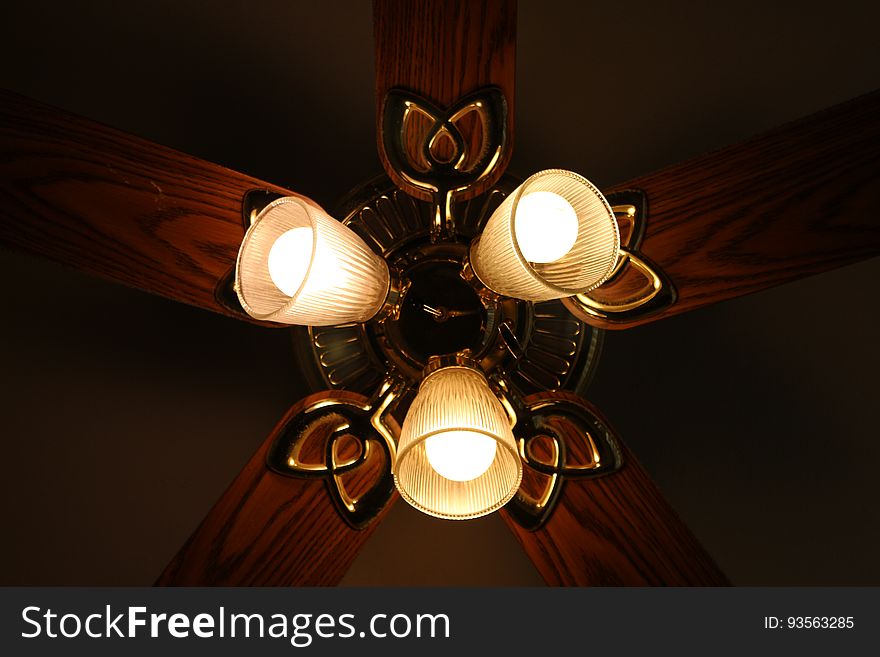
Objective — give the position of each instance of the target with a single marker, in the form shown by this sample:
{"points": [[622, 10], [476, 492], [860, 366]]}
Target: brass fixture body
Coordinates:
{"points": [[437, 311]]}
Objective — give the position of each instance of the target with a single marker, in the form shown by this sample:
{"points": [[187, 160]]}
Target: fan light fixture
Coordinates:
{"points": [[298, 265], [456, 457], [556, 236]]}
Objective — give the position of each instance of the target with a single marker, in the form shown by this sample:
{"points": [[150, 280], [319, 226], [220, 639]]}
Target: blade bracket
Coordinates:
{"points": [[312, 444], [615, 301], [444, 153], [577, 445]]}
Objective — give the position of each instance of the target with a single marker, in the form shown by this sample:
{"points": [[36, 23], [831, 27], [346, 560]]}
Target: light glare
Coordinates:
{"points": [[289, 259], [460, 455], [546, 226]]}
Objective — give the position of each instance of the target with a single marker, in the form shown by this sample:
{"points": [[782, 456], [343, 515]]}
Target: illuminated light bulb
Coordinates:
{"points": [[298, 265], [460, 455], [289, 259], [555, 236], [456, 457], [546, 226]]}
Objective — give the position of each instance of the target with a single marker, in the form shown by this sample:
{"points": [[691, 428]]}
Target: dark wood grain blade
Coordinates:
{"points": [[118, 206], [271, 530], [795, 201], [615, 530], [444, 50]]}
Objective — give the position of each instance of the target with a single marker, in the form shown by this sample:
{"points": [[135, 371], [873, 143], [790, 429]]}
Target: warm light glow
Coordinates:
{"points": [[460, 455], [289, 259], [457, 457], [555, 236], [546, 226], [299, 265]]}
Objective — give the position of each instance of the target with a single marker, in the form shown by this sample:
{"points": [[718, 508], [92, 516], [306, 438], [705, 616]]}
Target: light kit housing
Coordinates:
{"points": [[459, 325]]}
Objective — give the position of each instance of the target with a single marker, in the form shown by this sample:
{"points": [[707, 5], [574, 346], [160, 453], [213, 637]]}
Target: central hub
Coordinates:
{"points": [[536, 347], [441, 313]]}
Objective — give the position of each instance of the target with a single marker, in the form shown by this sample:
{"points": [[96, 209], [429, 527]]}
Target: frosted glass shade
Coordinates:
{"points": [[455, 414], [563, 223], [298, 265]]}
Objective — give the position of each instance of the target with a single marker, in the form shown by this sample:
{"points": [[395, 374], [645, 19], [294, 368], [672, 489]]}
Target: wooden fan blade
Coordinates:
{"points": [[614, 530], [118, 206], [443, 51], [795, 201], [272, 530]]}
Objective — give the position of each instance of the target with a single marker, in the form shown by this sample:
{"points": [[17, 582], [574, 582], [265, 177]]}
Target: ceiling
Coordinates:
{"points": [[125, 416]]}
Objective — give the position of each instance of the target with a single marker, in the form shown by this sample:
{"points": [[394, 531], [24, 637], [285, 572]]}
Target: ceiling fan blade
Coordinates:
{"points": [[613, 530], [444, 51], [794, 201], [118, 206], [269, 529]]}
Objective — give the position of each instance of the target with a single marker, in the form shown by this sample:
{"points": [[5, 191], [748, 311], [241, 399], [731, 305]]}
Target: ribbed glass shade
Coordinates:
{"points": [[298, 265], [554, 237], [456, 412]]}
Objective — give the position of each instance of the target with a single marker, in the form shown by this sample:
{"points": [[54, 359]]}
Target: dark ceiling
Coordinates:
{"points": [[124, 416]]}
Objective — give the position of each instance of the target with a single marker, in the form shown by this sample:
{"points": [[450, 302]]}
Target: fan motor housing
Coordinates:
{"points": [[442, 309]]}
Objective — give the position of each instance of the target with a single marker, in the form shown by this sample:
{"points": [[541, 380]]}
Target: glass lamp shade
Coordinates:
{"points": [[555, 236], [457, 456], [298, 265]]}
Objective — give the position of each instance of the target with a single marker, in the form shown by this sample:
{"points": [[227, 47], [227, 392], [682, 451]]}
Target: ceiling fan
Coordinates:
{"points": [[204, 229]]}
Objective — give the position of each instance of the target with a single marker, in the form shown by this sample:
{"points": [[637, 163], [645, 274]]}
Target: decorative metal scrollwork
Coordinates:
{"points": [[657, 292], [431, 154], [551, 348], [329, 421], [578, 443]]}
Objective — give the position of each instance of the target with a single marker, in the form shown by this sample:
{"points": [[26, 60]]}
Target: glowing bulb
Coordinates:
{"points": [[546, 226], [460, 455], [456, 457], [289, 259], [299, 265]]}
